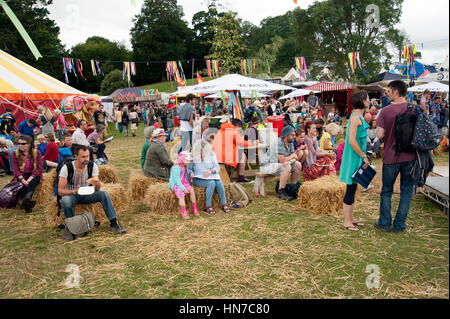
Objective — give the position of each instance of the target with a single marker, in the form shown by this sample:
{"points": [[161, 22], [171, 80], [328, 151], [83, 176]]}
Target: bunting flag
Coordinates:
{"points": [[21, 29], [98, 68], [244, 67], [208, 66], [409, 53], [425, 73], [173, 73], [355, 62], [80, 68], [300, 64], [199, 78], [69, 67], [216, 67]]}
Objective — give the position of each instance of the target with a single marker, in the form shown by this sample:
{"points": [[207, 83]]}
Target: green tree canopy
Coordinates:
{"points": [[158, 34], [44, 32], [227, 45], [329, 30], [113, 81]]}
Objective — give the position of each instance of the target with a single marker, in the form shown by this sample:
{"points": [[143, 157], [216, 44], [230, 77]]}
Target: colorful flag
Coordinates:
{"points": [[199, 78], [208, 65]]}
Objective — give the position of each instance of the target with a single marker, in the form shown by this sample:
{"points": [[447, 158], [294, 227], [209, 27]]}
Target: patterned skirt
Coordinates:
{"points": [[323, 166]]}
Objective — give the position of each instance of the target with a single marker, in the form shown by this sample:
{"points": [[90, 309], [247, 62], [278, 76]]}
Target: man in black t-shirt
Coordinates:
{"points": [[100, 116]]}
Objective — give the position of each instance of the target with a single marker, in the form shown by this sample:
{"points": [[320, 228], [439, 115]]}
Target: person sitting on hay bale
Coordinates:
{"points": [[5, 147], [79, 138], [70, 181], [97, 141], [206, 171], [157, 162], [354, 155], [180, 176], [148, 131], [328, 140], [225, 146], [27, 169], [282, 160], [50, 159], [64, 150], [318, 163]]}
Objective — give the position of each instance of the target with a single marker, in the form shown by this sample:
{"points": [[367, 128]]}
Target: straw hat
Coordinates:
{"points": [[159, 132]]}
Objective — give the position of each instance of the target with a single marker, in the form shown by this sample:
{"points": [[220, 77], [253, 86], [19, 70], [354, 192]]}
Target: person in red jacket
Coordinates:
{"points": [[226, 144], [50, 160]]}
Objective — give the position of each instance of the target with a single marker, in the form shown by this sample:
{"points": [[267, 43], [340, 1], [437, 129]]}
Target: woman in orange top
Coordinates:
{"points": [[225, 146]]}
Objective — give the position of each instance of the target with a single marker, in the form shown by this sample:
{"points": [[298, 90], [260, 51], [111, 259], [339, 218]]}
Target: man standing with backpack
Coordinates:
{"points": [[395, 160], [81, 173]]}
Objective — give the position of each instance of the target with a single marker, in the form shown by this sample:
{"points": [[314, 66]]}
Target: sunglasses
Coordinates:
{"points": [[22, 143]]}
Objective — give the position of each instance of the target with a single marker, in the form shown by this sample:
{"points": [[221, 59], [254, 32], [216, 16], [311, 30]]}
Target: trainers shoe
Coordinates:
{"points": [[116, 228], [376, 225], [244, 181]]}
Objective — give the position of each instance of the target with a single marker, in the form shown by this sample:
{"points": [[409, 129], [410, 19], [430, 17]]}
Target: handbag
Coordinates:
{"points": [[9, 194]]}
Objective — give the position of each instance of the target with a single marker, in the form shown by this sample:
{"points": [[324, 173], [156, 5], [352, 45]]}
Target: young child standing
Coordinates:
{"points": [[179, 182]]}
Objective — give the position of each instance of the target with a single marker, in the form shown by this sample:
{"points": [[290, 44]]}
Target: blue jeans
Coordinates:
{"points": [[69, 202], [120, 127], [390, 173], [211, 185], [185, 137]]}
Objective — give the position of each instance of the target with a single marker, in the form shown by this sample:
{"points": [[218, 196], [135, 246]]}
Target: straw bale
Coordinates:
{"points": [[224, 175], [46, 188], [160, 199], [323, 196], [139, 183], [107, 174], [116, 194]]}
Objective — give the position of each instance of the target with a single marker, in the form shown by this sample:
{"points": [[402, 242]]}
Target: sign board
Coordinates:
{"points": [[133, 99]]}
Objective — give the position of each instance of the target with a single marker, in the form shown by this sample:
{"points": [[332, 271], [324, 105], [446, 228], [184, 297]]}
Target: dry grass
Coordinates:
{"points": [[270, 249]]}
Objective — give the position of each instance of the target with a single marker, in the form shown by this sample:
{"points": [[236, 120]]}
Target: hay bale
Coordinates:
{"points": [[323, 196], [46, 188], [138, 184], [160, 199], [224, 175], [115, 193], [107, 174]]}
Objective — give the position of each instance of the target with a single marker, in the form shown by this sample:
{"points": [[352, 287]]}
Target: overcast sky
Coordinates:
{"points": [[425, 22]]}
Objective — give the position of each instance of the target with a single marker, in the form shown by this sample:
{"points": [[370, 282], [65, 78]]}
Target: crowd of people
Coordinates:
{"points": [[307, 145]]}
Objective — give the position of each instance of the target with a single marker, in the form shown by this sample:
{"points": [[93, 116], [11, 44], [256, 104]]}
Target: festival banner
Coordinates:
{"points": [[208, 65]]}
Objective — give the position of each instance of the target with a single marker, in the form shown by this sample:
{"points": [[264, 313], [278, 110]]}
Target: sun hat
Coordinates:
{"points": [[159, 132], [185, 155], [286, 131]]}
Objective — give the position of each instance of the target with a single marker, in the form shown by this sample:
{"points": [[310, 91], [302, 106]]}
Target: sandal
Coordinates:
{"points": [[351, 228], [358, 224], [210, 210], [226, 209]]}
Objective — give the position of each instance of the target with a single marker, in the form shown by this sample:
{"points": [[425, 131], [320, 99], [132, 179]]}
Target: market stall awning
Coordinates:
{"points": [[297, 93], [17, 78], [245, 94], [328, 86], [432, 87], [234, 82]]}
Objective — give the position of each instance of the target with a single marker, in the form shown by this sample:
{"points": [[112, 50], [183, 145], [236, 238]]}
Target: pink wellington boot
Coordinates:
{"points": [[184, 214], [194, 210]]}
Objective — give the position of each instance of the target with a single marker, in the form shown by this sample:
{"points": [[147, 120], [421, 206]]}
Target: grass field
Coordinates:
{"points": [[167, 87], [270, 249]]}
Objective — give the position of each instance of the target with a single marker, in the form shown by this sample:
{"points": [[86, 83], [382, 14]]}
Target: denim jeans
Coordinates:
{"points": [[120, 127], [390, 173], [185, 137], [28, 191], [211, 185], [69, 202]]}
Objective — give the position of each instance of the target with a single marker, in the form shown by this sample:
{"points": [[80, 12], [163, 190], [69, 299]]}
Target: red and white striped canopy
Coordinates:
{"points": [[424, 74], [327, 86]]}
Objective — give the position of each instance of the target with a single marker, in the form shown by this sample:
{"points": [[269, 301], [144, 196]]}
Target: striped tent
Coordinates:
{"points": [[23, 88], [328, 86]]}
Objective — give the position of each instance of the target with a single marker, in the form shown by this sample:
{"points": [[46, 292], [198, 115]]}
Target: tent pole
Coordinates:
{"points": [[24, 106]]}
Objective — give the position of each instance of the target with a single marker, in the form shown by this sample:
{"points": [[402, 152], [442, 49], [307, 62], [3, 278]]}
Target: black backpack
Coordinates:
{"points": [[291, 189], [404, 126], [70, 171]]}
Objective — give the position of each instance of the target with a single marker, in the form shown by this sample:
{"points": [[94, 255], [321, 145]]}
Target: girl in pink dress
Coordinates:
{"points": [[179, 182]]}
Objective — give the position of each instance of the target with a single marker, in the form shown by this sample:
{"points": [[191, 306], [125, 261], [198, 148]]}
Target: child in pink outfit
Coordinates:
{"points": [[180, 184]]}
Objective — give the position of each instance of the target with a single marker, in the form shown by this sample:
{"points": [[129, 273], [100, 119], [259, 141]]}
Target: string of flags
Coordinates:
{"points": [[174, 74], [129, 68], [213, 68], [300, 63], [355, 62], [247, 66], [95, 65], [72, 65], [409, 53]]}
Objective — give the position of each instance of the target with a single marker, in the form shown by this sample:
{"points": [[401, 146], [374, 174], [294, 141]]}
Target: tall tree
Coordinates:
{"points": [[44, 32], [331, 29], [98, 48], [267, 55], [113, 81], [227, 45], [158, 34]]}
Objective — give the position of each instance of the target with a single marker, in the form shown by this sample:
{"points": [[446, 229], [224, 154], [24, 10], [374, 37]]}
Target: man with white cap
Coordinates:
{"points": [[157, 162]]}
